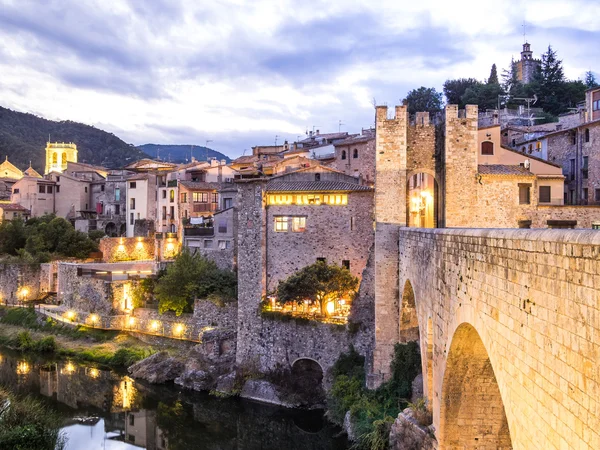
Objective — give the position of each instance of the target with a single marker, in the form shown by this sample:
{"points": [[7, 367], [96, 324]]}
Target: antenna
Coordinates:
{"points": [[191, 154], [524, 32], [276, 137], [340, 126]]}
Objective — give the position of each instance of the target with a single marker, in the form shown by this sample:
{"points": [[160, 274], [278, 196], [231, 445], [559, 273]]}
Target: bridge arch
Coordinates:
{"points": [[472, 413], [409, 321], [422, 199], [307, 380]]}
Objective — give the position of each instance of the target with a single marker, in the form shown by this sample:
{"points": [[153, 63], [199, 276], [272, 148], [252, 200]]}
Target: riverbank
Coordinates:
{"points": [[25, 330]]}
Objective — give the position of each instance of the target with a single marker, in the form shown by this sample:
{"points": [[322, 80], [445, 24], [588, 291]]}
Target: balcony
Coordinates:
{"points": [[172, 183], [195, 232], [204, 207]]}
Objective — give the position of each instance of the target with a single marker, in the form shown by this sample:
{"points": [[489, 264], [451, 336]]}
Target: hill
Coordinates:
{"points": [[23, 138], [181, 153]]}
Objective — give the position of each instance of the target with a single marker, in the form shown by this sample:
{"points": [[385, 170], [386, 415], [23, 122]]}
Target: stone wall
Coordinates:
{"points": [[522, 306], [19, 282], [460, 167], [127, 249], [84, 294], [363, 164], [584, 215], [333, 232]]}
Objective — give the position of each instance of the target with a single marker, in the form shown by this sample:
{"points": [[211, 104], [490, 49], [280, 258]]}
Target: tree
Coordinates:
{"points": [[318, 283], [590, 80], [485, 96], [423, 100], [510, 80], [493, 79], [455, 89], [193, 276]]}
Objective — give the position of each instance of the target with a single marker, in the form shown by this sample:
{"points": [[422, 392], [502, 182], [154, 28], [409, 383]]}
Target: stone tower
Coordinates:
{"points": [[57, 156], [460, 167], [390, 212], [527, 66]]}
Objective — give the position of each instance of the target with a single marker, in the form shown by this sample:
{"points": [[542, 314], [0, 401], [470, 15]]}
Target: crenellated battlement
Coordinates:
{"points": [[381, 115]]}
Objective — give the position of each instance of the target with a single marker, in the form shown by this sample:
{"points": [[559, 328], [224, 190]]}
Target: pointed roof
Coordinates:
{"points": [[6, 168], [31, 172]]}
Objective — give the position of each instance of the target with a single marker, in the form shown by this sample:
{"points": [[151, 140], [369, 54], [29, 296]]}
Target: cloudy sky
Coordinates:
{"points": [[241, 73]]}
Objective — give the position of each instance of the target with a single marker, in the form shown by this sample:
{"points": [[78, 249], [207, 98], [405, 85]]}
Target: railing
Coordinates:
{"points": [[204, 207], [205, 231], [166, 328]]}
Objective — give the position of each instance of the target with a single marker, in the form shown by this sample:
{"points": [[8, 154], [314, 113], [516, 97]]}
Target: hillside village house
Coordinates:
{"points": [[11, 211]]}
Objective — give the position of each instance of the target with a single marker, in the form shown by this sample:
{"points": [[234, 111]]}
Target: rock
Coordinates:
{"points": [[407, 434], [158, 368], [196, 379], [348, 427], [262, 391], [226, 383], [417, 388]]}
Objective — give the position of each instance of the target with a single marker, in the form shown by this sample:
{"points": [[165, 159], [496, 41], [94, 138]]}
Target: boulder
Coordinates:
{"points": [[348, 427], [196, 379], [407, 434], [417, 388], [226, 383], [262, 391], [158, 368]]}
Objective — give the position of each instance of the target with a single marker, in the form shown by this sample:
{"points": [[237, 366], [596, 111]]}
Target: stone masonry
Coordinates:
{"points": [[512, 316]]}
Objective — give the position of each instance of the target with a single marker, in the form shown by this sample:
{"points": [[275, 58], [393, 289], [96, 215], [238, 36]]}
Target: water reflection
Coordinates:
{"points": [[107, 410]]}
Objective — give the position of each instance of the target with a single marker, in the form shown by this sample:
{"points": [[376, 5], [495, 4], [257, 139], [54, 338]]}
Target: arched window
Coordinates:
{"points": [[523, 149], [355, 154], [172, 195], [343, 154], [54, 158], [64, 159], [587, 135], [530, 148], [487, 148]]}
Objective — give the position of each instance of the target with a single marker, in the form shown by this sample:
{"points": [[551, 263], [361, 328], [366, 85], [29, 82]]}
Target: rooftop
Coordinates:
{"points": [[314, 186], [12, 207], [503, 169]]}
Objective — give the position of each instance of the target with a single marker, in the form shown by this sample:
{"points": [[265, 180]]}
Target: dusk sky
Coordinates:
{"points": [[241, 72]]}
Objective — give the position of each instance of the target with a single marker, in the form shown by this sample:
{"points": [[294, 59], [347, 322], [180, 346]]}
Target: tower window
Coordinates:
{"points": [[355, 154], [343, 154], [587, 135]]}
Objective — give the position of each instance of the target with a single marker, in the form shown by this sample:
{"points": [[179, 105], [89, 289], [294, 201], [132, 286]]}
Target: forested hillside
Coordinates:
{"points": [[181, 153], [23, 138]]}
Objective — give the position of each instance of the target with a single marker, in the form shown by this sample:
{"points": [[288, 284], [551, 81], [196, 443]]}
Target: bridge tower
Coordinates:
{"points": [[390, 212]]}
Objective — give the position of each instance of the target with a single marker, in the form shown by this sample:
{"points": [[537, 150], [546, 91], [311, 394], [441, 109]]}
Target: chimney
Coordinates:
{"points": [[214, 162], [223, 162], [317, 132]]}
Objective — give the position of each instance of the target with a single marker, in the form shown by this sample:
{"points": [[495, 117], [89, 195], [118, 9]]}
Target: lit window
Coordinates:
{"points": [[200, 197], [298, 224], [184, 197], [281, 223], [224, 245]]}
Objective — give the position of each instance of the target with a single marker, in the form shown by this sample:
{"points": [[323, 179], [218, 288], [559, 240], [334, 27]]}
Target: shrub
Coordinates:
{"points": [[421, 411], [46, 345], [127, 356], [27, 424], [25, 317], [25, 341]]}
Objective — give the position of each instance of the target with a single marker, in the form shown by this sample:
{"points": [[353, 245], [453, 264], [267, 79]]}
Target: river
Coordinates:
{"points": [[107, 410]]}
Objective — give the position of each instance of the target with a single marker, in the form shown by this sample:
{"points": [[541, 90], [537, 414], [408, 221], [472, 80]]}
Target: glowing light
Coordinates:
{"points": [[94, 373], [178, 329], [69, 368], [131, 321], [330, 307], [24, 292], [139, 246], [121, 248], [154, 325], [23, 368], [170, 246], [94, 319], [70, 315]]}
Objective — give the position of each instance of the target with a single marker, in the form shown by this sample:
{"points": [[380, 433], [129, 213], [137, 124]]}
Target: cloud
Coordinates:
{"points": [[241, 73]]}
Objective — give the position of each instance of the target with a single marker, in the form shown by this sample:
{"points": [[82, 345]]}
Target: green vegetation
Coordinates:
{"points": [[318, 283], [27, 424], [555, 93], [41, 239], [23, 138], [181, 153], [372, 412], [423, 99], [101, 350], [193, 276]]}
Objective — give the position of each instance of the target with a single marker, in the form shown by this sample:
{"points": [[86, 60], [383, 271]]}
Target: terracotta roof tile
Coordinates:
{"points": [[503, 169], [314, 186]]}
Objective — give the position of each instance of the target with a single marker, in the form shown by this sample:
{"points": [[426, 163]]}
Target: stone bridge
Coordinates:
{"points": [[509, 328]]}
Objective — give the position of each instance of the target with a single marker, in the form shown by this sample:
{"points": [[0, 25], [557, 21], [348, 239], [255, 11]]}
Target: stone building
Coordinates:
{"points": [[355, 156], [527, 65], [11, 211]]}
